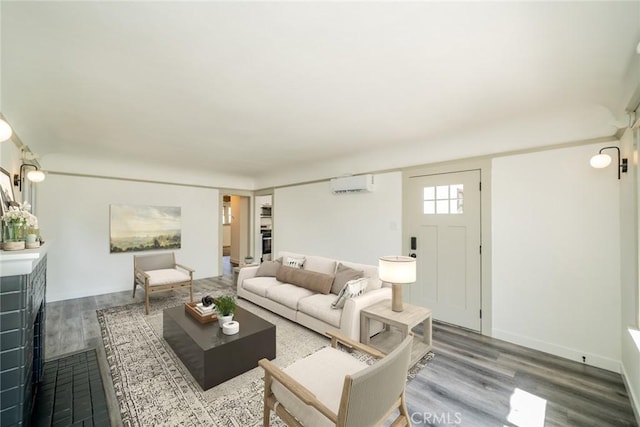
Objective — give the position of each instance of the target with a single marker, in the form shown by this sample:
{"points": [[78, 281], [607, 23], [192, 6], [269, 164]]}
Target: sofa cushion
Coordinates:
{"points": [[268, 269], [320, 264], [343, 275], [287, 294], [351, 289], [166, 276], [319, 307], [259, 285], [312, 280], [294, 262], [323, 374], [370, 271]]}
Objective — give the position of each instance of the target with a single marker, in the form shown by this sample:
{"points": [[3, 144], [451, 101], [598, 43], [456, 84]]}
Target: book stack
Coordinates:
{"points": [[205, 310]]}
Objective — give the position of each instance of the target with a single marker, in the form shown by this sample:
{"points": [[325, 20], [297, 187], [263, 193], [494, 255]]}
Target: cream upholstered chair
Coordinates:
{"points": [[159, 273], [331, 387]]}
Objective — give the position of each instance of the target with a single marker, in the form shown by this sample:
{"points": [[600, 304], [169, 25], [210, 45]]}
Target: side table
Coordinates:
{"points": [[402, 322], [236, 271]]}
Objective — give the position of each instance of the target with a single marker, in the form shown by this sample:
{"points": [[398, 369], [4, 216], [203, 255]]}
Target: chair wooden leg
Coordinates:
{"points": [[266, 415], [267, 392], [134, 289], [146, 301], [191, 292], [404, 412]]}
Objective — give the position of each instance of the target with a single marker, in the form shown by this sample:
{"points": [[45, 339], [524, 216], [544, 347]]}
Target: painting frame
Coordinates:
{"points": [[6, 190], [138, 228]]}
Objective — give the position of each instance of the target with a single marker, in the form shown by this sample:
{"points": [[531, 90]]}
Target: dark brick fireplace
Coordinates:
{"points": [[22, 336]]}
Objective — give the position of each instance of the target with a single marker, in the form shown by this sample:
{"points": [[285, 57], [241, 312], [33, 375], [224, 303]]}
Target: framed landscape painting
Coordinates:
{"points": [[144, 228]]}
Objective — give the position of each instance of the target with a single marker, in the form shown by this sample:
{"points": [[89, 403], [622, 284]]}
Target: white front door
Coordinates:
{"points": [[442, 214]]}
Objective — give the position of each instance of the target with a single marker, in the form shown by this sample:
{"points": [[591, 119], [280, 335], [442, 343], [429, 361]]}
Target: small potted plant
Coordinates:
{"points": [[225, 306], [248, 259]]}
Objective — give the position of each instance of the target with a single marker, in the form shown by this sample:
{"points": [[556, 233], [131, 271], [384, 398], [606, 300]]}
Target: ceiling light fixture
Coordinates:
{"points": [[5, 131], [601, 160], [34, 176]]}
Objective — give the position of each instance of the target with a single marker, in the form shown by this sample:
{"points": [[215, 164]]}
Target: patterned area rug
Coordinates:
{"points": [[153, 387]]}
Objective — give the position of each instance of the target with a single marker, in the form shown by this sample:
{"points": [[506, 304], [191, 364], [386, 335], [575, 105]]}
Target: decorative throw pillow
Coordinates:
{"points": [[351, 289], [293, 261], [268, 269], [343, 275], [312, 280]]}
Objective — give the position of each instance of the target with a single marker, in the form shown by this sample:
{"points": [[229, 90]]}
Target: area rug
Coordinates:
{"points": [[153, 387]]}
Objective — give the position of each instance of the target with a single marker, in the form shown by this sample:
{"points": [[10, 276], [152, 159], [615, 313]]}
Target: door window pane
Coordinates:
{"points": [[442, 207], [455, 206], [429, 207], [442, 191], [443, 199], [429, 193], [456, 191]]}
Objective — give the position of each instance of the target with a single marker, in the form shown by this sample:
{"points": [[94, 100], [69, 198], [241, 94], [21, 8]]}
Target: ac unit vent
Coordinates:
{"points": [[353, 184]]}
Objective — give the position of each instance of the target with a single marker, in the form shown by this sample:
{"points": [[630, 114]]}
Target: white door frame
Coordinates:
{"points": [[484, 165]]}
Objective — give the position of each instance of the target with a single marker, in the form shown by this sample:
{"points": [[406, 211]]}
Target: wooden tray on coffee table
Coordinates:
{"points": [[190, 307]]}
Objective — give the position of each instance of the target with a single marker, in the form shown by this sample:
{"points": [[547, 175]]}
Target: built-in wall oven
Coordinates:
{"points": [[266, 244]]}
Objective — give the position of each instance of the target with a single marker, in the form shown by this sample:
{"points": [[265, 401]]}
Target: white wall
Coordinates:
{"points": [[629, 269], [355, 227], [556, 254], [74, 215]]}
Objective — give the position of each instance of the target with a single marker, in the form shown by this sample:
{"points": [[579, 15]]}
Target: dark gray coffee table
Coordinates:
{"points": [[211, 356]]}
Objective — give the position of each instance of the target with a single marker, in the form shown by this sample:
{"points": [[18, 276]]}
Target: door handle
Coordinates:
{"points": [[413, 245]]}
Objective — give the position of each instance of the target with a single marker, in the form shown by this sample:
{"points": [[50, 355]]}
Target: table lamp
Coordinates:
{"points": [[397, 270]]}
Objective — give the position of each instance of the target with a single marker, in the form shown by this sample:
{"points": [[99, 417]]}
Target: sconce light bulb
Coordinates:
{"points": [[600, 161], [5, 131], [35, 176]]}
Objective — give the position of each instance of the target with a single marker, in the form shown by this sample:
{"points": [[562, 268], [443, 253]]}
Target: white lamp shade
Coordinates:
{"points": [[35, 176], [600, 161], [397, 269], [5, 131]]}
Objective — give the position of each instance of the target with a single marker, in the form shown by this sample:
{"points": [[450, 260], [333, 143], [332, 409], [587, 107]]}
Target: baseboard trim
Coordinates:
{"points": [[632, 396], [557, 350]]}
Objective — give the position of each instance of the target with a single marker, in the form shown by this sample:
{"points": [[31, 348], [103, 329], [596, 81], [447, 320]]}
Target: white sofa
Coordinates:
{"points": [[312, 309]]}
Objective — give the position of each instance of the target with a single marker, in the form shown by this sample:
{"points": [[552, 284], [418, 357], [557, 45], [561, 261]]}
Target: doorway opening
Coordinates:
{"points": [[235, 242]]}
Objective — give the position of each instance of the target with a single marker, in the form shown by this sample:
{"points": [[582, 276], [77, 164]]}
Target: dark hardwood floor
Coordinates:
{"points": [[480, 381], [472, 381]]}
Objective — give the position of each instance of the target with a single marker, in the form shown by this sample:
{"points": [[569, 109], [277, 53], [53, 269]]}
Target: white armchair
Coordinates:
{"points": [[160, 273], [332, 388]]}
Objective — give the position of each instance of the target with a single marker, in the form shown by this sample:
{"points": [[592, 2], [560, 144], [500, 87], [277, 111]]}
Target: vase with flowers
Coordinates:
{"points": [[15, 222]]}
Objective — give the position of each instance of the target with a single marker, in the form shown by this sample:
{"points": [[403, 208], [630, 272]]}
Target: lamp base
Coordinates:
{"points": [[396, 297]]}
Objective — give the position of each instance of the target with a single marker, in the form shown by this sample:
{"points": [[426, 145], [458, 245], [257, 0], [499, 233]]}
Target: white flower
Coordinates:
{"points": [[19, 215]]}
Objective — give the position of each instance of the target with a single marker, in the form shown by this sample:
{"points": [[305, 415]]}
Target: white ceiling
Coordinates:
{"points": [[254, 87]]}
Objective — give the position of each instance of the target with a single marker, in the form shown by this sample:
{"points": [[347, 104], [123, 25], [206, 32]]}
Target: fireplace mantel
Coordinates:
{"points": [[17, 263]]}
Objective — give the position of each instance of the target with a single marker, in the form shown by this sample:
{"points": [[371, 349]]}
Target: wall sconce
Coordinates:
{"points": [[34, 176], [600, 160], [5, 131]]}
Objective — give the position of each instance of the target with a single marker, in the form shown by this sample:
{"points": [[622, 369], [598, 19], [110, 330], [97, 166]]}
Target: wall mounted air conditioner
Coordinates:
{"points": [[353, 184]]}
